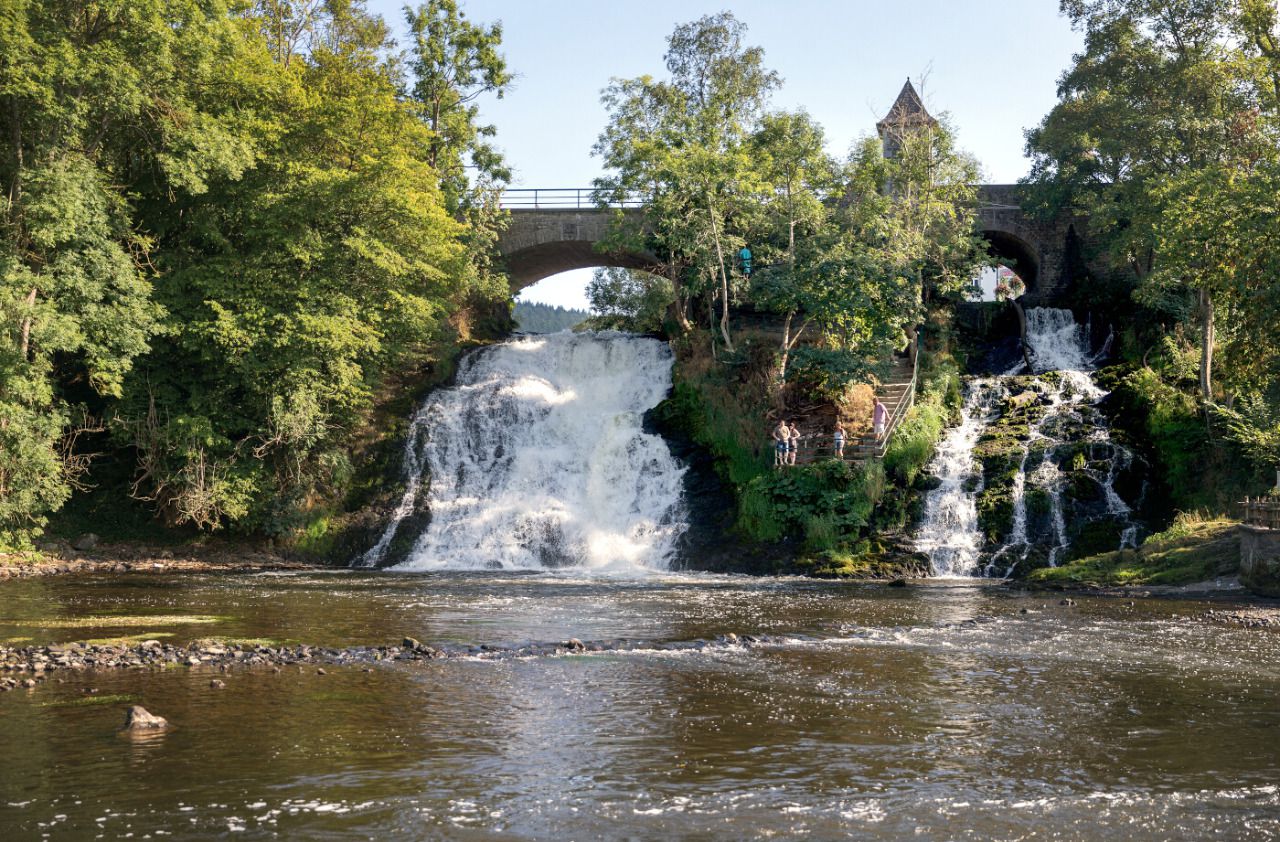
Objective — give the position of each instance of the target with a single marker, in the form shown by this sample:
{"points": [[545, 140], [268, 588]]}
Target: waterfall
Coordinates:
{"points": [[537, 459], [1066, 442], [949, 530]]}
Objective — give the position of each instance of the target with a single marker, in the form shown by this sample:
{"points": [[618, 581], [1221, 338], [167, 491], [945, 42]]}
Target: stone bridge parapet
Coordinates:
{"points": [[541, 241]]}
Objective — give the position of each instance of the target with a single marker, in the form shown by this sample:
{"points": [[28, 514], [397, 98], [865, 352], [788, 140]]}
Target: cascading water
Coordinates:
{"points": [[1057, 478], [949, 531], [538, 459]]}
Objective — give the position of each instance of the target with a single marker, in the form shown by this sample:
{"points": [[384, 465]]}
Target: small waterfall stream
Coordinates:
{"points": [[1057, 464], [537, 459]]}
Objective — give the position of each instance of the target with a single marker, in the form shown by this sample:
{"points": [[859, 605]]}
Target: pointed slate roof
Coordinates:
{"points": [[907, 110]]}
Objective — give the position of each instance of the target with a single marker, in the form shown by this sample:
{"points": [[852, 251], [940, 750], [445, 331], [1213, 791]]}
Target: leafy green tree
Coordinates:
{"points": [[684, 144], [790, 149], [101, 107], [455, 62], [1168, 105], [294, 289], [624, 299]]}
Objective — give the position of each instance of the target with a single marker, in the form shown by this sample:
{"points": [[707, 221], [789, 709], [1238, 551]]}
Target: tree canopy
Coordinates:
{"points": [[224, 225], [1167, 133]]}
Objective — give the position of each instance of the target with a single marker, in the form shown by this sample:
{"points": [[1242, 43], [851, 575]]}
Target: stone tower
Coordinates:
{"points": [[907, 114]]}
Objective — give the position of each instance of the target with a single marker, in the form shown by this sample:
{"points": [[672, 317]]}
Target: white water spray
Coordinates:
{"points": [[537, 459]]}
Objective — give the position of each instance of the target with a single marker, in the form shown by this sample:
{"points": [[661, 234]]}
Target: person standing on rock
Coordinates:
{"points": [[879, 418], [781, 442], [837, 440], [793, 445]]}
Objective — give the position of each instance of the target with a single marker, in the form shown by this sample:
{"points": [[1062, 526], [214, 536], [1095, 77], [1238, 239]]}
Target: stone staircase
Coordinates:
{"points": [[898, 394]]}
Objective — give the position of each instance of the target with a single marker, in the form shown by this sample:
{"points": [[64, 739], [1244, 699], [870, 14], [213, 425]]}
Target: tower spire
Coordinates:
{"points": [[906, 114]]}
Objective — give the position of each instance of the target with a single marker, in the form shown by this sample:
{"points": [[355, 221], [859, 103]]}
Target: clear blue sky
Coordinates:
{"points": [[991, 64]]}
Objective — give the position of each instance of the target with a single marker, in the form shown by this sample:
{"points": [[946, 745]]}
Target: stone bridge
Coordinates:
{"points": [[554, 231]]}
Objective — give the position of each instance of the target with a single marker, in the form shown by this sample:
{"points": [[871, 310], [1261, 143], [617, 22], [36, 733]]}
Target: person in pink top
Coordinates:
{"points": [[879, 417]]}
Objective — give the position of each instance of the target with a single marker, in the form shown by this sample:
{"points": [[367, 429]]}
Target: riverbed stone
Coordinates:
{"points": [[86, 542], [138, 718]]}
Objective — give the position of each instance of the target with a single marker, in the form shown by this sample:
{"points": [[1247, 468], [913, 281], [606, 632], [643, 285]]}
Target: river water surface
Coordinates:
{"points": [[938, 711]]}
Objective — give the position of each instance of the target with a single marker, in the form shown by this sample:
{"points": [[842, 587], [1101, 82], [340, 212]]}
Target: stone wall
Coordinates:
{"points": [[1260, 559]]}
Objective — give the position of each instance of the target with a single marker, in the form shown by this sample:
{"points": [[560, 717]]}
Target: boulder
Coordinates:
{"points": [[86, 542], [138, 718]]}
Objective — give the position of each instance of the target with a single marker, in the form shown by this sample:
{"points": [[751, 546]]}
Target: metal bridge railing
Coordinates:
{"points": [[563, 198]]}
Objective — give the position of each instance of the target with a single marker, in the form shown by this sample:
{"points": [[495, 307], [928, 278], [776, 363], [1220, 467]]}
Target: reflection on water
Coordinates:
{"points": [[940, 712]]}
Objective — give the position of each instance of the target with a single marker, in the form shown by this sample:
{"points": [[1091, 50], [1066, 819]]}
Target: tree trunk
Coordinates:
{"points": [[724, 280], [1206, 348], [25, 341], [711, 321]]}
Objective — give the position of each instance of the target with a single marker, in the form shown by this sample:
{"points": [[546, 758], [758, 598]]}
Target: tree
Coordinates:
{"points": [[916, 213], [293, 289], [101, 106], [684, 145], [1168, 105], [624, 299], [792, 155], [454, 63]]}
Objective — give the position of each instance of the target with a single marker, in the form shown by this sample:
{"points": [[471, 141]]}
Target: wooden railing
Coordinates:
{"points": [[1262, 511]]}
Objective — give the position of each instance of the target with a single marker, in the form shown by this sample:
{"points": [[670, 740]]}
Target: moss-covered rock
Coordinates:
{"points": [[1191, 550]]}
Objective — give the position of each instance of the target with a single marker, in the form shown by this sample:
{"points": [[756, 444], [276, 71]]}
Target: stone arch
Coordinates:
{"points": [[528, 266], [540, 243], [1019, 254]]}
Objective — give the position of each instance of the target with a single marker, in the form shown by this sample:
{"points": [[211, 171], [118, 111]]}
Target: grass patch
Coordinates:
{"points": [[1193, 549], [87, 701], [126, 640], [103, 620], [860, 563]]}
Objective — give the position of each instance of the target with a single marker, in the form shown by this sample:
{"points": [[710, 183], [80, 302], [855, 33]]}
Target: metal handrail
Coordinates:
{"points": [[904, 406], [855, 449], [565, 198]]}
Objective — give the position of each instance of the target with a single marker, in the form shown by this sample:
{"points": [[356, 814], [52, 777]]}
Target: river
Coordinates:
{"points": [[936, 711]]}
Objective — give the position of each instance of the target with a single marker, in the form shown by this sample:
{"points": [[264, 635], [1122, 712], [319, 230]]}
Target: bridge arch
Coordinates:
{"points": [[1017, 253], [542, 242]]}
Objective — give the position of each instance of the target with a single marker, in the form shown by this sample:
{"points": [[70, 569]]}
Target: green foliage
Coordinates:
{"points": [[823, 503], [1167, 134], [685, 145], [1198, 469], [224, 230], [454, 62], [1194, 549], [913, 442], [624, 299], [939, 398], [534, 317]]}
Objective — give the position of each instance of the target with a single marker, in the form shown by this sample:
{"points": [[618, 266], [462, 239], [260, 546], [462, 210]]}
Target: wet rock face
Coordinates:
{"points": [[1054, 485]]}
